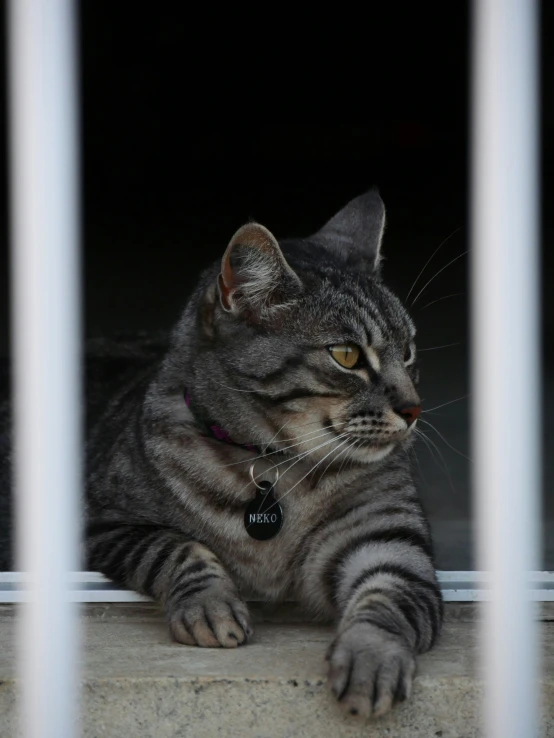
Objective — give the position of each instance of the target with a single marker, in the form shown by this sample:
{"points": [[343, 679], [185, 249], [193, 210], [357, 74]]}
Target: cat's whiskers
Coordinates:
{"points": [[332, 462], [303, 436], [297, 458], [458, 399], [308, 473], [435, 348], [349, 456], [274, 436], [265, 444], [301, 456], [236, 389], [311, 422], [439, 247], [441, 456], [305, 454], [443, 438], [415, 456], [437, 274], [429, 443], [357, 446], [439, 299]]}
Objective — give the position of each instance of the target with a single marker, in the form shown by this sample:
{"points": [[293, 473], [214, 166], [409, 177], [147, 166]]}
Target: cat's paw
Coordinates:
{"points": [[369, 670], [213, 618]]}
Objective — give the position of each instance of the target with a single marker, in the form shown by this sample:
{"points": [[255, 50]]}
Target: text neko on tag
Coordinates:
{"points": [[263, 517]]}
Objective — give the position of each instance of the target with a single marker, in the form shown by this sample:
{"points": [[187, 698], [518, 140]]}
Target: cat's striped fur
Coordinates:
{"points": [[165, 500]]}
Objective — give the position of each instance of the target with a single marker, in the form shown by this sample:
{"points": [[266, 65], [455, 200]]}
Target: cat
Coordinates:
{"points": [[291, 358]]}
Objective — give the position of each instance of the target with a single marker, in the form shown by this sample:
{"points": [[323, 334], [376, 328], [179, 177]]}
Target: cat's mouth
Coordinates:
{"points": [[377, 433], [337, 440], [371, 448]]}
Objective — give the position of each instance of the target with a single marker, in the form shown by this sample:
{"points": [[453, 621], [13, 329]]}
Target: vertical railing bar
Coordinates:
{"points": [[506, 376], [46, 325]]}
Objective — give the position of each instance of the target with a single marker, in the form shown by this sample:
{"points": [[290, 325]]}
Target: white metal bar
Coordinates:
{"points": [[506, 438], [45, 308], [456, 586]]}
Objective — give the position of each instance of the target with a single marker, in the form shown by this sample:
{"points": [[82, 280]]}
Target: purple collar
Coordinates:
{"points": [[219, 433]]}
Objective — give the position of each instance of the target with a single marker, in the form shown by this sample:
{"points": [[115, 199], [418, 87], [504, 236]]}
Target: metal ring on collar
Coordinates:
{"points": [[253, 477]]}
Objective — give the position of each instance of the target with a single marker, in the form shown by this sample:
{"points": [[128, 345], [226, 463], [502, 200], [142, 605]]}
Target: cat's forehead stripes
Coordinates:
{"points": [[373, 318], [372, 305], [378, 333], [393, 320], [361, 314]]}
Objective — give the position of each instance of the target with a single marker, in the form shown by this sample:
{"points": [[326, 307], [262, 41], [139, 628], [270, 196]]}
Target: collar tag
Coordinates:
{"points": [[263, 517]]}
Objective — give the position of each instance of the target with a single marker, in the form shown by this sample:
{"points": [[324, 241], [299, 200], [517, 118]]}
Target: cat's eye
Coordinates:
{"points": [[409, 353], [345, 354]]}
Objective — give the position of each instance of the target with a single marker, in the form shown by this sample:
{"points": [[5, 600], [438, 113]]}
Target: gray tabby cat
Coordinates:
{"points": [[297, 349]]}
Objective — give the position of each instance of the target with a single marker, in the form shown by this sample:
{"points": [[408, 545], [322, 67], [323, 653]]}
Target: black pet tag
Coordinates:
{"points": [[263, 517]]}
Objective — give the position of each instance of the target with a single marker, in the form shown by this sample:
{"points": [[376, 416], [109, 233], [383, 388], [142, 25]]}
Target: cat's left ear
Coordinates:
{"points": [[355, 233], [254, 273]]}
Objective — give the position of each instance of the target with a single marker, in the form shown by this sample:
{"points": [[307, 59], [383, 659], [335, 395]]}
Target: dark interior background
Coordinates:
{"points": [[191, 126]]}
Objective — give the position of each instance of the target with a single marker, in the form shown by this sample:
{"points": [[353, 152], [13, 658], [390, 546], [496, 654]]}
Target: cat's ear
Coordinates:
{"points": [[254, 274], [355, 232]]}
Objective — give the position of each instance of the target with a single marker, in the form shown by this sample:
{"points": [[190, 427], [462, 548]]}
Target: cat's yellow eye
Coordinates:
{"points": [[346, 354]]}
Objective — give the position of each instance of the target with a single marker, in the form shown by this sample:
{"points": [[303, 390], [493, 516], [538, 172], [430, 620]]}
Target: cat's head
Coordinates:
{"points": [[299, 344]]}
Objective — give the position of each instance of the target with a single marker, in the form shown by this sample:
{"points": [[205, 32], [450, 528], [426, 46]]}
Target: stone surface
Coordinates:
{"points": [[136, 682]]}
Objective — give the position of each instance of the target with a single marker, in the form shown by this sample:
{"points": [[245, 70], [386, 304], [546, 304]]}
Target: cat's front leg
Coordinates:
{"points": [[199, 597], [371, 660], [374, 570]]}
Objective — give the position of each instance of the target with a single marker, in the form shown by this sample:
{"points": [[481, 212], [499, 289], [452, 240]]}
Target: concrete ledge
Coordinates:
{"points": [[136, 682]]}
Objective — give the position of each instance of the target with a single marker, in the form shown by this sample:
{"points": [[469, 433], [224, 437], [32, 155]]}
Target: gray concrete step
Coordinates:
{"points": [[136, 682]]}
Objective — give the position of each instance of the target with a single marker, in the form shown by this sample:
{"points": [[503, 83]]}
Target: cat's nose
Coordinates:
{"points": [[409, 413]]}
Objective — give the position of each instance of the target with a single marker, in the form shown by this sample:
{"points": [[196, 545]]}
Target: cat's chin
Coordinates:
{"points": [[368, 454]]}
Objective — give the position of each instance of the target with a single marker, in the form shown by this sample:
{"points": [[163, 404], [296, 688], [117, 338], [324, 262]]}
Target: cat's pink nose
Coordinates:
{"points": [[410, 413]]}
